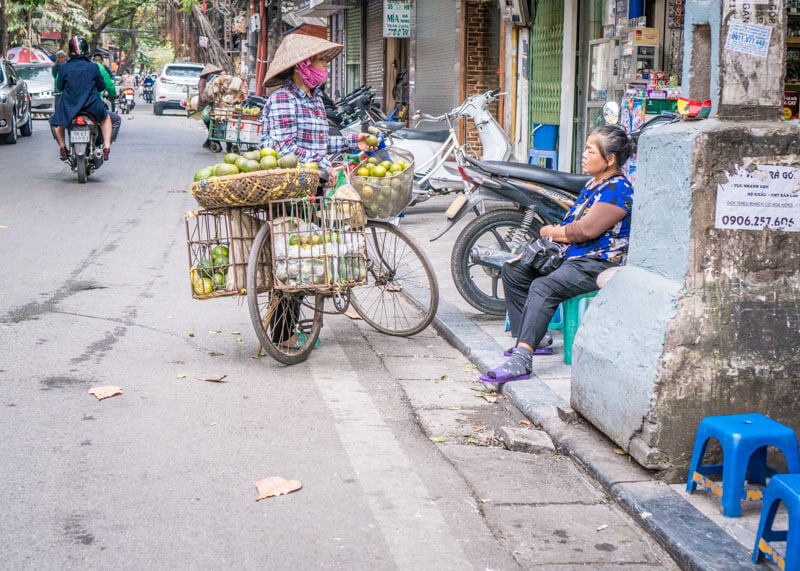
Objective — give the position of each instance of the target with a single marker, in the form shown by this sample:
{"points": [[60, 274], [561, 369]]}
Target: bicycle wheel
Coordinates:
{"points": [[402, 294], [286, 323]]}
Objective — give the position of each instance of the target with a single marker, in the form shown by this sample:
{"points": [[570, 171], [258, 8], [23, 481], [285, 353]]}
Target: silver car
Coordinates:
{"points": [[15, 105], [173, 84], [41, 86]]}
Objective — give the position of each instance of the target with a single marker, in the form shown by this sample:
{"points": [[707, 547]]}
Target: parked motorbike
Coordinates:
{"points": [[126, 100], [82, 140], [537, 196]]}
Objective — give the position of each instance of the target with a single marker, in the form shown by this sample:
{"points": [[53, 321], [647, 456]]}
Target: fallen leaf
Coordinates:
{"points": [[180, 376], [236, 332], [215, 331], [211, 379], [238, 339], [213, 354], [352, 315], [471, 365], [444, 377], [490, 398], [619, 451], [481, 390], [455, 408], [438, 439], [479, 429], [602, 527], [105, 392], [191, 333], [468, 434], [485, 500], [471, 441], [213, 424], [525, 421], [276, 486]]}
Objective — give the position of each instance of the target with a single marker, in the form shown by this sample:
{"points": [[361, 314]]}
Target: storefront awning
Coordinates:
{"points": [[322, 8]]}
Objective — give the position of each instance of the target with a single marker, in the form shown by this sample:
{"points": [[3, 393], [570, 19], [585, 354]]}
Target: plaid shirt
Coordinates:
{"points": [[295, 122]]}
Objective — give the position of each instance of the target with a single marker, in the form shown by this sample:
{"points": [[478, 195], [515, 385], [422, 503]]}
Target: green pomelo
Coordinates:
{"points": [[249, 165], [252, 155], [230, 158], [288, 161], [269, 152], [203, 173], [224, 169], [269, 162]]}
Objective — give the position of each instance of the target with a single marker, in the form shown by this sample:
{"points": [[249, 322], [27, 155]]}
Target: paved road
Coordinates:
{"points": [[96, 293]]}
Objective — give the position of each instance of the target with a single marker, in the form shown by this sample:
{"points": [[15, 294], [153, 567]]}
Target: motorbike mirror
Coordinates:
{"points": [[611, 113]]}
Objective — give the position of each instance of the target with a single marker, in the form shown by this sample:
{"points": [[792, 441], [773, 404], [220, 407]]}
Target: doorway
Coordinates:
{"points": [[396, 80]]}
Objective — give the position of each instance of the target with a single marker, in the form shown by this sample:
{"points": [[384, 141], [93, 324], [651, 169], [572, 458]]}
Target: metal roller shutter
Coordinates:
{"points": [[352, 48], [373, 57], [438, 56]]}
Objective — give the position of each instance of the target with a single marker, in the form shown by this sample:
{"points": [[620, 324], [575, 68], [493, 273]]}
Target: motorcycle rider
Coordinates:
{"points": [[127, 81], [148, 84], [112, 93], [80, 81]]}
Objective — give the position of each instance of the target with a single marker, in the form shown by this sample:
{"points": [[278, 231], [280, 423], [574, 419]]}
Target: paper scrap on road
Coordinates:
{"points": [[602, 527], [352, 315], [105, 392], [215, 331], [276, 486], [211, 379], [180, 376]]}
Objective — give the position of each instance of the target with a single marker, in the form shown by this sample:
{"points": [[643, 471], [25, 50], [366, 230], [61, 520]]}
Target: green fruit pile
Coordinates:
{"points": [[251, 161], [210, 273], [380, 185]]}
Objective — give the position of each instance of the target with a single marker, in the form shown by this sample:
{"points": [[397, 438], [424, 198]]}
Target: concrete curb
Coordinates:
{"points": [[693, 540]]}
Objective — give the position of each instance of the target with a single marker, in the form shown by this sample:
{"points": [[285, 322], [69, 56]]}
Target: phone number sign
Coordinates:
{"points": [[396, 18], [768, 197]]}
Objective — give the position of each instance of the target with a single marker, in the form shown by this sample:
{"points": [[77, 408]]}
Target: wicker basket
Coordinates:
{"points": [[255, 188], [233, 229]]}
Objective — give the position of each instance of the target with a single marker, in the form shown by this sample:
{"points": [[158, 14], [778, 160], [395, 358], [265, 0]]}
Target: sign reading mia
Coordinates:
{"points": [[396, 18]]}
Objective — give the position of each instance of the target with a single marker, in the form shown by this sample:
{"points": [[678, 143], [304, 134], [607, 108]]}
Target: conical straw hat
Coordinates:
{"points": [[296, 48], [209, 69]]}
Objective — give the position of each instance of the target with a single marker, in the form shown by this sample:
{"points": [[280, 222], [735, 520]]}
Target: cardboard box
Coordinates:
{"points": [[645, 36], [249, 131]]}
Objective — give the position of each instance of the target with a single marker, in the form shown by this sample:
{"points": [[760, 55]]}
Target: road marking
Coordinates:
{"points": [[410, 521]]}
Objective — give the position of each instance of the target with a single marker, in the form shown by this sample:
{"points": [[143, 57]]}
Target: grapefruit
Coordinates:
{"points": [[203, 173], [269, 162], [230, 158], [224, 169], [249, 165], [269, 152], [288, 161], [203, 286], [252, 155]]}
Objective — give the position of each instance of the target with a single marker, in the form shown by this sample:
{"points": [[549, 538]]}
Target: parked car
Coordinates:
{"points": [[173, 83], [15, 105], [41, 86]]}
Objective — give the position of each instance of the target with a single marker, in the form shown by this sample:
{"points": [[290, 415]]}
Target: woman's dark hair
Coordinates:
{"points": [[613, 140]]}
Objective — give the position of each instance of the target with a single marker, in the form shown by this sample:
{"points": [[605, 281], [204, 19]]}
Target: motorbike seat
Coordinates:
{"points": [[419, 134], [390, 125], [574, 183]]}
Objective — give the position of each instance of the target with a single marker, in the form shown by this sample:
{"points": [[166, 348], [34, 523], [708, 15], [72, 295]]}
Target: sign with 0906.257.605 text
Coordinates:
{"points": [[766, 197]]}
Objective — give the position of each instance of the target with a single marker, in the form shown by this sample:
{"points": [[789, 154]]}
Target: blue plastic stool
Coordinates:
{"points": [[782, 488], [557, 322], [574, 308], [744, 439], [536, 156]]}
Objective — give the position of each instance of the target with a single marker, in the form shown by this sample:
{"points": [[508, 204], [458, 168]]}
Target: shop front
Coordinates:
{"points": [[630, 52]]}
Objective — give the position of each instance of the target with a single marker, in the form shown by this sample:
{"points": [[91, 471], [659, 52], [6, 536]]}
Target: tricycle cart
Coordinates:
{"points": [[288, 256], [237, 130]]}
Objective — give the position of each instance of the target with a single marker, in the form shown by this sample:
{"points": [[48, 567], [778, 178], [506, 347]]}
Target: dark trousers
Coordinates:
{"points": [[532, 299]]}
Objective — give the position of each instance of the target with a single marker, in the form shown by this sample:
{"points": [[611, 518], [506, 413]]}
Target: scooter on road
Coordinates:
{"points": [[85, 156]]}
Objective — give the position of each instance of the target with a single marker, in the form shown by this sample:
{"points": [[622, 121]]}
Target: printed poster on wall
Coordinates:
{"points": [[767, 197], [396, 18]]}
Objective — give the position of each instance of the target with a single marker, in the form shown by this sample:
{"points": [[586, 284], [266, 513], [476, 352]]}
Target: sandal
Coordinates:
{"points": [[545, 347], [514, 369]]}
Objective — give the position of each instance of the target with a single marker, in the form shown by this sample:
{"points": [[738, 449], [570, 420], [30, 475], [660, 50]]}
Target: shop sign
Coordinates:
{"points": [[767, 197], [202, 41], [396, 18], [790, 104]]}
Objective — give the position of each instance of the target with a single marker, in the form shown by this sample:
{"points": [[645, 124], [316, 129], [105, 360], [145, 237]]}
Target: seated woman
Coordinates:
{"points": [[596, 230]]}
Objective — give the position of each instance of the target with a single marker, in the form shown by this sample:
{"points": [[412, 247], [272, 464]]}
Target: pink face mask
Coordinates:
{"points": [[311, 75]]}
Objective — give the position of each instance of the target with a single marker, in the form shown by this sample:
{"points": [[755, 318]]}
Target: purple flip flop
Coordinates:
{"points": [[503, 375], [539, 351]]}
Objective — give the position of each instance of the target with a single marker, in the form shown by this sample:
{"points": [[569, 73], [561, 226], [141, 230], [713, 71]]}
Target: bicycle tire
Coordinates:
{"points": [[389, 269], [273, 310]]}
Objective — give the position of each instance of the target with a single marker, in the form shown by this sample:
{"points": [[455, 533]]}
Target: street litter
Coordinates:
{"points": [[438, 439], [213, 354], [211, 379], [602, 527], [180, 376], [525, 421], [619, 451], [488, 396], [276, 486], [105, 392], [215, 331], [352, 315], [191, 333]]}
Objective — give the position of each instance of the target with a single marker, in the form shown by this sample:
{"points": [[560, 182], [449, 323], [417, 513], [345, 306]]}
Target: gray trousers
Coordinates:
{"points": [[532, 299]]}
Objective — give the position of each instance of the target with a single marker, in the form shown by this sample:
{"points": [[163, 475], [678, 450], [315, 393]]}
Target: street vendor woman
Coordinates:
{"points": [[208, 73], [294, 118]]}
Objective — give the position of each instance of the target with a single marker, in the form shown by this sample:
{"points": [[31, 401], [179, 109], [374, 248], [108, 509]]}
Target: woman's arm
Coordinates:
{"points": [[600, 218], [339, 143]]}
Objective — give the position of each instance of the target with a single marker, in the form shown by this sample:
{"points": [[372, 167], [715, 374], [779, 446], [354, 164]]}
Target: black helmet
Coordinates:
{"points": [[78, 46]]}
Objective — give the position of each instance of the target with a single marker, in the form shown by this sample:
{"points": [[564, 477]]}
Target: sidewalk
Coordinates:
{"points": [[691, 527]]}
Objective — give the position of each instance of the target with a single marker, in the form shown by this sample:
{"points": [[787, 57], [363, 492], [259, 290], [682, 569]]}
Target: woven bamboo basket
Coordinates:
{"points": [[255, 188]]}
